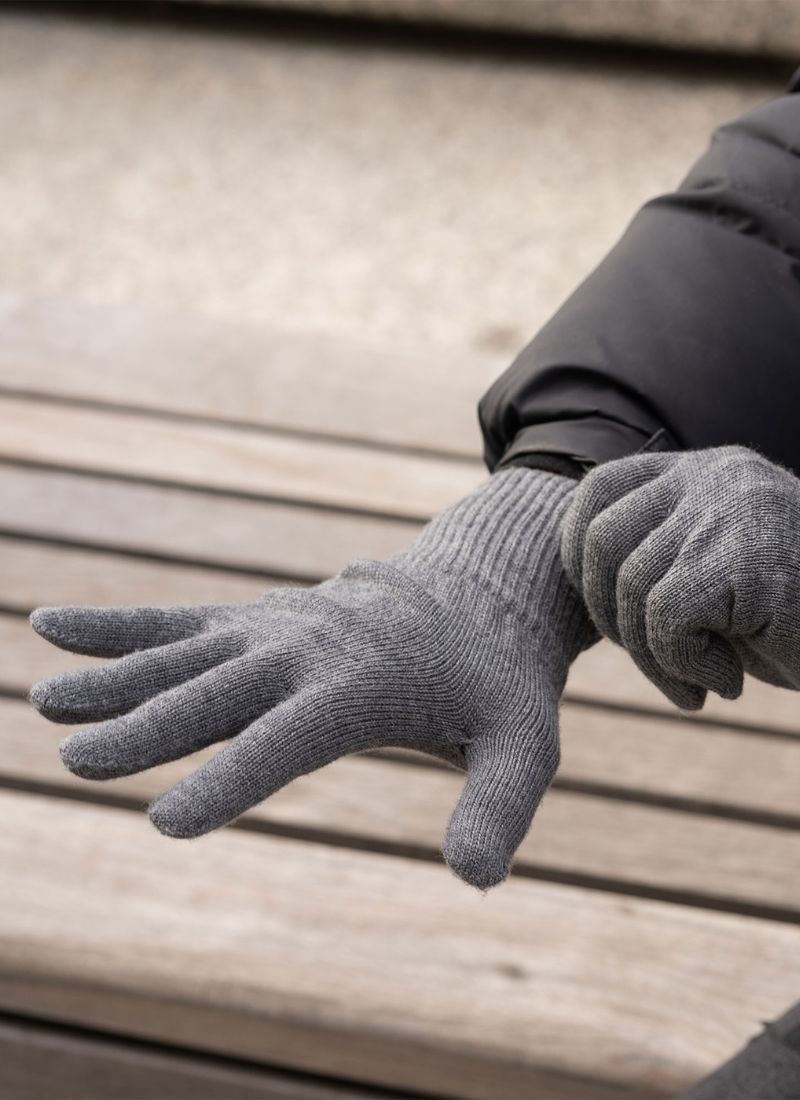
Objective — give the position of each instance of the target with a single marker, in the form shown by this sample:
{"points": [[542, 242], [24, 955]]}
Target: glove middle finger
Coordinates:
{"points": [[611, 539], [216, 705], [94, 694], [636, 579]]}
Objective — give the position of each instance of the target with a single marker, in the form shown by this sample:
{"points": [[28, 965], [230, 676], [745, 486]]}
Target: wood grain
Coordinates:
{"points": [[251, 461], [680, 760], [376, 968], [38, 575], [606, 674], [379, 802], [192, 526], [190, 364]]}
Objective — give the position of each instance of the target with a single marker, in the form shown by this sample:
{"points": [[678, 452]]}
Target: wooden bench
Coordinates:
{"points": [[320, 949]]}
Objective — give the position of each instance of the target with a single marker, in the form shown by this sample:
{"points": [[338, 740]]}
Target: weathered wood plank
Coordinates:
{"points": [[240, 460], [605, 673], [41, 1062], [192, 526], [299, 542], [38, 575], [399, 806], [680, 760], [640, 754], [27, 658], [190, 364], [267, 949]]}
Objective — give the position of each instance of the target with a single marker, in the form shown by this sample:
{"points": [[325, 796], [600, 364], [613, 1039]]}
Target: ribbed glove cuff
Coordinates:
{"points": [[504, 539]]}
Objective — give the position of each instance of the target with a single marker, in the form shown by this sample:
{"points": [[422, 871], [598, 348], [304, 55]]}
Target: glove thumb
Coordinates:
{"points": [[506, 779]]}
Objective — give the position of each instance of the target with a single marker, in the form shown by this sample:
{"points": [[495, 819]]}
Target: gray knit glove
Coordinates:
{"points": [[458, 646], [690, 561]]}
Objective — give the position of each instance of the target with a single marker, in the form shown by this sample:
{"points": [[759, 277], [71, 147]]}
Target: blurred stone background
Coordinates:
{"points": [[403, 185]]}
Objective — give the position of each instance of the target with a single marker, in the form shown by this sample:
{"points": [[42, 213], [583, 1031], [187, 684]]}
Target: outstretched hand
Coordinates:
{"points": [[458, 647]]}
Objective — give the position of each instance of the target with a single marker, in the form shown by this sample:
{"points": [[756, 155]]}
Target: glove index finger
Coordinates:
{"points": [[116, 631], [603, 487], [687, 626]]}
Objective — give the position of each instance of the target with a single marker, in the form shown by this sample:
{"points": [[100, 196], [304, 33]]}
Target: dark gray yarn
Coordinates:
{"points": [[458, 646], [690, 561], [768, 1068]]}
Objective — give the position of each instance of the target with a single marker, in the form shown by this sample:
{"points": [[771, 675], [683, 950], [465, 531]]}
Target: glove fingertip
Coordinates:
{"points": [[729, 687], [78, 755], [45, 698], [724, 669], [165, 820], [174, 816], [687, 697], [731, 692], [49, 622], [39, 697], [474, 864], [480, 877]]}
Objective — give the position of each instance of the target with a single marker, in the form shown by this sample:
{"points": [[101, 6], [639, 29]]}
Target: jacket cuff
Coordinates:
{"points": [[578, 445], [550, 463]]}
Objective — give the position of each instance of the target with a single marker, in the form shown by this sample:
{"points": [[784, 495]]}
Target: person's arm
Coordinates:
{"points": [[688, 334]]}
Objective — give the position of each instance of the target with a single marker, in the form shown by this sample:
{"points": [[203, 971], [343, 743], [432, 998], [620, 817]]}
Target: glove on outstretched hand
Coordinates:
{"points": [[690, 561], [458, 646]]}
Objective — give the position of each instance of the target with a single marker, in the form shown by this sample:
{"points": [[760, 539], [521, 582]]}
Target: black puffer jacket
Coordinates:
{"points": [[688, 333]]}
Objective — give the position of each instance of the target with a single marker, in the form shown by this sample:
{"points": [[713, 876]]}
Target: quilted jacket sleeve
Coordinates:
{"points": [[688, 333]]}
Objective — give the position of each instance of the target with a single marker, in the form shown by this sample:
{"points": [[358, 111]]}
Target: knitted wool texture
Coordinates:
{"points": [[768, 1067], [458, 646], [689, 560]]}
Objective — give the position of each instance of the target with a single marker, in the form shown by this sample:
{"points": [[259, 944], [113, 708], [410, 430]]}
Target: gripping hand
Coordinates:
{"points": [[690, 561]]}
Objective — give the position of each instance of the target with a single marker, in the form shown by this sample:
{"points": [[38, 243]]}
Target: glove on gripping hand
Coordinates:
{"points": [[458, 646], [689, 561]]}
